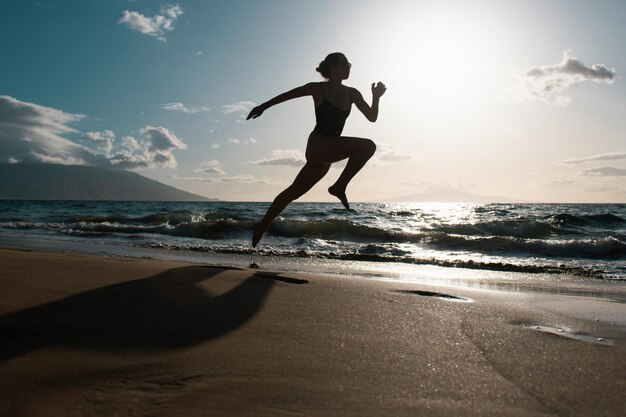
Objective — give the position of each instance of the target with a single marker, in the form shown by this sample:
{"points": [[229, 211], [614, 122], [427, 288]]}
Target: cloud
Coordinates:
{"points": [[391, 153], [103, 140], [30, 133], [614, 156], [180, 107], [250, 141], [212, 166], [153, 150], [294, 157], [234, 141], [154, 26], [387, 152], [33, 133], [605, 172], [241, 178], [241, 106], [561, 182], [605, 189], [547, 82], [290, 157], [130, 143]]}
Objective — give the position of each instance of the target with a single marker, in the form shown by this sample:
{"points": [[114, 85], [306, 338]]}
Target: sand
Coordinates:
{"points": [[83, 335]]}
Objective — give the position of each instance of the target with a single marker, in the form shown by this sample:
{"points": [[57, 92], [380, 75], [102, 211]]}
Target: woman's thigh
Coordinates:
{"points": [[329, 149]]}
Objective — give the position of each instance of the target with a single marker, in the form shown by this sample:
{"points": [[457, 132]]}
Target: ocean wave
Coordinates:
{"points": [[401, 213], [20, 225], [605, 248], [495, 210], [507, 238], [527, 229], [388, 250], [367, 255], [157, 218], [471, 264], [604, 219], [333, 229], [162, 218], [220, 229]]}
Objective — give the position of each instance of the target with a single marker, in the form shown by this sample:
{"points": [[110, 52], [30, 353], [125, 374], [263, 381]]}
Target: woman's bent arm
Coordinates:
{"points": [[305, 90], [370, 112]]}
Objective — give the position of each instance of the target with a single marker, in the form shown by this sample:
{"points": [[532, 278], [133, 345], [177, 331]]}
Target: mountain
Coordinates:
{"points": [[75, 182]]}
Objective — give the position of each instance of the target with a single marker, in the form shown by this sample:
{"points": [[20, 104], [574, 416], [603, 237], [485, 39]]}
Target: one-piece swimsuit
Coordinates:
{"points": [[329, 119]]}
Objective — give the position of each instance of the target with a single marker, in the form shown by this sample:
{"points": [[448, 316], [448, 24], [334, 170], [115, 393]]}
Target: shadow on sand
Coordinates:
{"points": [[165, 311]]}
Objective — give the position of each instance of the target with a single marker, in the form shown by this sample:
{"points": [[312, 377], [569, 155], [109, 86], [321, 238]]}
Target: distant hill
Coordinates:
{"points": [[75, 182]]}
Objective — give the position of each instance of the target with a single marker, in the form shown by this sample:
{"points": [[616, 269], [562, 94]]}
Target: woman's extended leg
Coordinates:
{"points": [[308, 176], [332, 149]]}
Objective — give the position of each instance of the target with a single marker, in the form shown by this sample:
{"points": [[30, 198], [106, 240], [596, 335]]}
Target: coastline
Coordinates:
{"points": [[103, 335]]}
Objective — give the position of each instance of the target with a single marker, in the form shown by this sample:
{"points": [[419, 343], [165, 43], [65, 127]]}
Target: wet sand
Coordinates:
{"points": [[84, 335]]}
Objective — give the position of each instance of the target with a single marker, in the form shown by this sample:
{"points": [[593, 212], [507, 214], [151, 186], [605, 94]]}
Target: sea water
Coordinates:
{"points": [[586, 240]]}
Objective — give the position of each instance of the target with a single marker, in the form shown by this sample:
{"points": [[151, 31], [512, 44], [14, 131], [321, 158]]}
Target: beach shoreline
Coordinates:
{"points": [[101, 335]]}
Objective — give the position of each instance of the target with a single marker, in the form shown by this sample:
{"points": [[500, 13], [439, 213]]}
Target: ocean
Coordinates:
{"points": [[583, 240]]}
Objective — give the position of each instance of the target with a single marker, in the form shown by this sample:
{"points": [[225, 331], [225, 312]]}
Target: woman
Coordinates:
{"points": [[325, 145]]}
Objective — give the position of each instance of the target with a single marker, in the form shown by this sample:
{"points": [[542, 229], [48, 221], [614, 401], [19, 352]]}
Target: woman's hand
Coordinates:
{"points": [[378, 89], [255, 112]]}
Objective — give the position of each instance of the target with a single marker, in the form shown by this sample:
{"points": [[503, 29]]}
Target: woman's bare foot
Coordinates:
{"points": [[257, 234], [340, 194]]}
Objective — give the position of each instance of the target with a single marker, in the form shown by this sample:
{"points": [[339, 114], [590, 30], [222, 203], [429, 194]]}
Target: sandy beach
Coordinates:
{"points": [[84, 335]]}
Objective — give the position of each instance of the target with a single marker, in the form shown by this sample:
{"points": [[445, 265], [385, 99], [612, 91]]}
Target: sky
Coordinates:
{"points": [[511, 100]]}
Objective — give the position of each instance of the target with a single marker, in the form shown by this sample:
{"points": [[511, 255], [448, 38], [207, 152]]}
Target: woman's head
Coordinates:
{"points": [[335, 64]]}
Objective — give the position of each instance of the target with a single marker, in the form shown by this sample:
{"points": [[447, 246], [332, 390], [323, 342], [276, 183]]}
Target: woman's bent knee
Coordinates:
{"points": [[370, 146]]}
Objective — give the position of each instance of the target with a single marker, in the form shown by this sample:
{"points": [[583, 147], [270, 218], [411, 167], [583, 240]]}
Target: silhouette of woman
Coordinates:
{"points": [[325, 146]]}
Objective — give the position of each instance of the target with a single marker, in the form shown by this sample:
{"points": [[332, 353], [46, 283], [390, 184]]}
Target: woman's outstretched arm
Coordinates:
{"points": [[305, 90], [370, 112]]}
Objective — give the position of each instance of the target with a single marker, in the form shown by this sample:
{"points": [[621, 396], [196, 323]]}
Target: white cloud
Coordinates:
{"points": [[387, 152], [250, 141], [390, 153], [58, 160], [154, 26], [212, 166], [605, 189], [160, 138], [32, 133], [103, 140], [172, 11], [561, 182], [547, 82], [130, 143], [241, 106], [290, 157], [614, 156], [153, 150], [180, 107], [241, 178], [234, 141], [295, 157], [605, 172]]}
